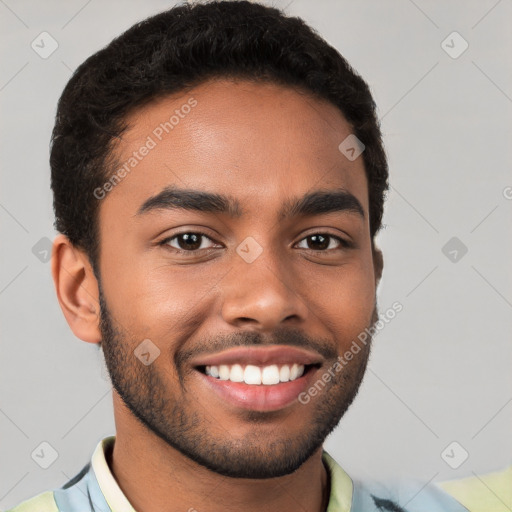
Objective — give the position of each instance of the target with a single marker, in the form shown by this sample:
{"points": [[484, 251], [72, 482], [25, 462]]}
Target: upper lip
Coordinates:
{"points": [[260, 356]]}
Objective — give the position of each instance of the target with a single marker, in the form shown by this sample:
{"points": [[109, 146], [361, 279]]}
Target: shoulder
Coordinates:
{"points": [[392, 495], [403, 495], [73, 496], [43, 502], [481, 493]]}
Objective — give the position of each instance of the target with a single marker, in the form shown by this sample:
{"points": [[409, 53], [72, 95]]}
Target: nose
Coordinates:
{"points": [[262, 294]]}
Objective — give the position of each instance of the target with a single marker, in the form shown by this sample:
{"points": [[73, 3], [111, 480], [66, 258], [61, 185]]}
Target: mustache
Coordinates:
{"points": [[284, 336]]}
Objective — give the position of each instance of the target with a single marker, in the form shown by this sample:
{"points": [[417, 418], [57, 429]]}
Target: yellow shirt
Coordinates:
{"points": [[486, 493]]}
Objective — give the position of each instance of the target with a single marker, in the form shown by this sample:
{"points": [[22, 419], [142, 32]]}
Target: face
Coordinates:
{"points": [[277, 272]]}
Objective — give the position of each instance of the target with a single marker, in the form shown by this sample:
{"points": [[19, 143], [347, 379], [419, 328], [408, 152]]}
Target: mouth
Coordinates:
{"points": [[257, 378]]}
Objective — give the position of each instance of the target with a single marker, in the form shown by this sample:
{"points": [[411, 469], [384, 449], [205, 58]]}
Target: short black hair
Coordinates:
{"points": [[176, 50]]}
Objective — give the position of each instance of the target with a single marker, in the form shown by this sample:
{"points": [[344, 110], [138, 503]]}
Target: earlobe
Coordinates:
{"points": [[77, 289]]}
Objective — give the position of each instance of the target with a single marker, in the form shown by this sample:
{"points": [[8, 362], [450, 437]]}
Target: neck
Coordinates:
{"points": [[164, 480]]}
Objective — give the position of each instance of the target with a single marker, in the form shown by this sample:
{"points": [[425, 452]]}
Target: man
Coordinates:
{"points": [[219, 178]]}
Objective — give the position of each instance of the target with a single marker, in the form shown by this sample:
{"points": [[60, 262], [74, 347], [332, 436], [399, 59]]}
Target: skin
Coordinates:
{"points": [[261, 144]]}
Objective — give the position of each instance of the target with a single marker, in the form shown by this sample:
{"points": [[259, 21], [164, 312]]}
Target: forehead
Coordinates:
{"points": [[259, 142]]}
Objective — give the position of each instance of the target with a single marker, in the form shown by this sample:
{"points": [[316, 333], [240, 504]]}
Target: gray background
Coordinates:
{"points": [[440, 371]]}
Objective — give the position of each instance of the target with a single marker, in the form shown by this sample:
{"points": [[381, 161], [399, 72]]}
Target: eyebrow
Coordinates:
{"points": [[314, 203]]}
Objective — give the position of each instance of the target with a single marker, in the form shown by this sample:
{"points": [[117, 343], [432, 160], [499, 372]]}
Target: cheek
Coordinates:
{"points": [[155, 299], [345, 299]]}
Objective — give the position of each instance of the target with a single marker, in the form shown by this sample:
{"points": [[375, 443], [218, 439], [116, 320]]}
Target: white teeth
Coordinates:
{"points": [[284, 373], [236, 374], [296, 371], [270, 375], [252, 374], [223, 372], [255, 375]]}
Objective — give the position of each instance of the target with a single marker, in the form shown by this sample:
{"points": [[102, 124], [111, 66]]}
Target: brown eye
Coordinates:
{"points": [[322, 242], [189, 241]]}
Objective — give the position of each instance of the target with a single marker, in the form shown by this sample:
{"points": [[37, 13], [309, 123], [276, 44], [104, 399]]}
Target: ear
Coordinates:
{"points": [[77, 289], [378, 264]]}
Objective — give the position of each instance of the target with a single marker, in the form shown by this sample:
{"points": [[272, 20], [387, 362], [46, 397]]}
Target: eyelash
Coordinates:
{"points": [[344, 244]]}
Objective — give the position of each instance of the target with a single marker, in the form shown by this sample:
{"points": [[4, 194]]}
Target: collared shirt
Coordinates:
{"points": [[94, 489]]}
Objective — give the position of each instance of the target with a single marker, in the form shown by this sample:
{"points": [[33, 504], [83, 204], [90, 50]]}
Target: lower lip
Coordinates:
{"points": [[259, 397]]}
